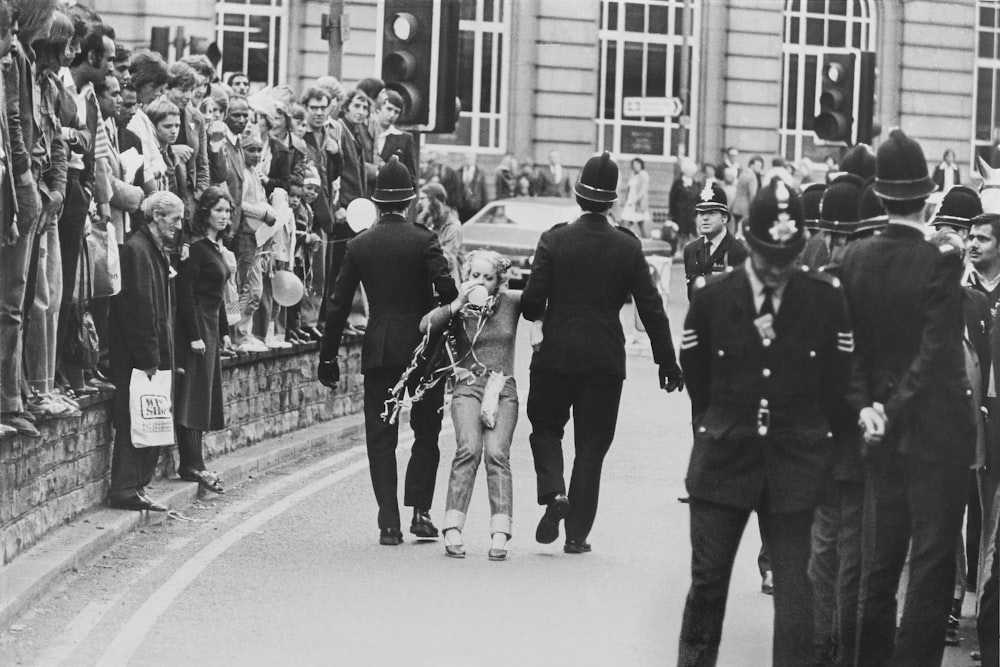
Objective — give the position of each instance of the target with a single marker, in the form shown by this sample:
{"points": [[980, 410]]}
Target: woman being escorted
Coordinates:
{"points": [[484, 404], [202, 331]]}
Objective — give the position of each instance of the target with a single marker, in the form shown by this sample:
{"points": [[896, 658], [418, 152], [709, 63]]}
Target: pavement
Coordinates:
{"points": [[43, 567]]}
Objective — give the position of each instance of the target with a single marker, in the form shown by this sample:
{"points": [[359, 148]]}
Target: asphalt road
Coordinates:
{"points": [[286, 570]]}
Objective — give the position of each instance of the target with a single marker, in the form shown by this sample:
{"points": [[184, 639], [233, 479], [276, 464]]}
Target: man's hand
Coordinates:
{"points": [[328, 373], [671, 378], [198, 346], [872, 421], [10, 240], [51, 210], [216, 131], [150, 372], [104, 212], [182, 152]]}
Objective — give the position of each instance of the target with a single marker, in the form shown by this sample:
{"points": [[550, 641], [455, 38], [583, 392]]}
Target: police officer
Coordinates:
{"points": [[716, 250], [767, 349], [957, 209], [912, 395], [581, 277], [397, 262], [816, 252]]}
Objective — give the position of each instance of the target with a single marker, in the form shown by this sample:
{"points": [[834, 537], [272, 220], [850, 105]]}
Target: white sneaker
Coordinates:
{"points": [[274, 343], [251, 345]]}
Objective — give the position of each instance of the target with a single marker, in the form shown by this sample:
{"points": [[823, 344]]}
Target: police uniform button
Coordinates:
{"points": [[722, 353], [812, 354], [766, 342], [968, 392], [829, 434], [763, 403], [766, 372], [702, 429]]}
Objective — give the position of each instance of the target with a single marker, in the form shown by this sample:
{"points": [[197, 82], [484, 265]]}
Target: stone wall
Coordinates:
{"points": [[48, 481]]}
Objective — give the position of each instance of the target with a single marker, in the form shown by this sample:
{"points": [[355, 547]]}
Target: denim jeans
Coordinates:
{"points": [[249, 281], [40, 338], [473, 438]]}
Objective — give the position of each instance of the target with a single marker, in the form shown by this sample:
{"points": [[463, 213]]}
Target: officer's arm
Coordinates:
{"points": [[695, 353], [649, 305], [339, 307], [837, 370], [439, 271], [536, 292]]}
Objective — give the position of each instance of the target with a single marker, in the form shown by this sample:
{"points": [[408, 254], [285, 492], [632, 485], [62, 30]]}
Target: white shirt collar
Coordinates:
{"points": [[757, 288]]}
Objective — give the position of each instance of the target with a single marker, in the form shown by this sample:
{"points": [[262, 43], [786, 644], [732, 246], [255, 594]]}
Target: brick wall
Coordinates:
{"points": [[49, 481]]}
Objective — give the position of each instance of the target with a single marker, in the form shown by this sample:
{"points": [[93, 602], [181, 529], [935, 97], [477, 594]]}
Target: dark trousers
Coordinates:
{"points": [[823, 576], [988, 623], [594, 400], [851, 497], [715, 538], [71, 225], [132, 468], [425, 420], [915, 503], [189, 448]]}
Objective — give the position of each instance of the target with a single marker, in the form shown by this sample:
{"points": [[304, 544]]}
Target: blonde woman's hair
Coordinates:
{"points": [[500, 264]]}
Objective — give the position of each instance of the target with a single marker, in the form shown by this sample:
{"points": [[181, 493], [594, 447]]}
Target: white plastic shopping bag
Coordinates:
{"points": [[151, 409], [114, 262]]}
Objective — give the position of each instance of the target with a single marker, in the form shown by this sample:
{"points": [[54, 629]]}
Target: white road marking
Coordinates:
{"points": [[133, 632]]}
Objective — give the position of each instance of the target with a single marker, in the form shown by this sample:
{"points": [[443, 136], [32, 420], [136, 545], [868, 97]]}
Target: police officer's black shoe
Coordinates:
{"points": [[577, 547], [421, 526], [548, 526], [390, 537]]}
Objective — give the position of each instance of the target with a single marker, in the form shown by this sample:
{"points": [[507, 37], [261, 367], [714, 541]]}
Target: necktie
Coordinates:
{"points": [[767, 306], [706, 256]]}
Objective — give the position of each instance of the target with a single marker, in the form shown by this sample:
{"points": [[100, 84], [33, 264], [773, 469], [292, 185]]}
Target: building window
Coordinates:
{"points": [[987, 92], [814, 27], [642, 53], [253, 36], [483, 64]]}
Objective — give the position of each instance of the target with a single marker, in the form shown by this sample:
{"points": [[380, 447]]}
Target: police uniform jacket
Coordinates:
{"points": [[582, 275], [909, 333], [763, 408], [730, 253], [400, 265]]}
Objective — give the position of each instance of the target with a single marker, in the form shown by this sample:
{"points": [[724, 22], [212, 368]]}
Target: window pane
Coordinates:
{"points": [[610, 92], [796, 5], [656, 70], [814, 32], [791, 92], [275, 60], [857, 36], [258, 48], [984, 99], [996, 103], [233, 19], [484, 132], [816, 6], [859, 9], [809, 94], [793, 30], [632, 70], [659, 18], [838, 7], [488, 10], [486, 69], [232, 51], [986, 44], [838, 33], [987, 18], [609, 138], [675, 87], [635, 17], [466, 61], [468, 12], [642, 140], [612, 16], [462, 135], [497, 73]]}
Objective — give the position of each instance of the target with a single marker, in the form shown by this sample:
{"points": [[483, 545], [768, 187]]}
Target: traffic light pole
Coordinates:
{"points": [[336, 28]]}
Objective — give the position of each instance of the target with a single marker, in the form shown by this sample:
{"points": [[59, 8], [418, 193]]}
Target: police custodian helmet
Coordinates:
{"points": [[598, 179], [393, 183], [775, 227]]}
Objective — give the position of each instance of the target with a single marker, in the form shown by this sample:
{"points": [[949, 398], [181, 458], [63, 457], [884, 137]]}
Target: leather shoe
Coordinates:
{"points": [[421, 526], [548, 526], [137, 503], [497, 554], [390, 537], [577, 547]]}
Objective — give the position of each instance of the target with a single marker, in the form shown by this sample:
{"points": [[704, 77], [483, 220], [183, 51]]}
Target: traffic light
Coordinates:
{"points": [[835, 119], [846, 105], [420, 60]]}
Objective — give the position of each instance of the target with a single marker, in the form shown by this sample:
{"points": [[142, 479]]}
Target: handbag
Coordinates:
{"points": [[106, 265], [83, 348], [150, 409]]}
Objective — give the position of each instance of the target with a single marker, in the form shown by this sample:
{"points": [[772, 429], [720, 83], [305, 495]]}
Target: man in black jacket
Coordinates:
{"points": [[398, 263], [582, 274], [716, 250], [912, 394], [766, 352], [142, 337]]}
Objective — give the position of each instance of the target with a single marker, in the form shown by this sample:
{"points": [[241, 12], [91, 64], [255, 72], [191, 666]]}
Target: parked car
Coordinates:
{"points": [[513, 226]]}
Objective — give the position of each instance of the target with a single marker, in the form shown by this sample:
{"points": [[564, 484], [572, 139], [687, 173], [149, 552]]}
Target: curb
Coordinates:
{"points": [[38, 570]]}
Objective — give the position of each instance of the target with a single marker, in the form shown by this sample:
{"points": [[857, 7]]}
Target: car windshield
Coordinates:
{"points": [[527, 215]]}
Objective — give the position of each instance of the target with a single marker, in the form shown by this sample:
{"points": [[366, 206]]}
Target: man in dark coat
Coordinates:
{"points": [[766, 351], [553, 178], [911, 392], [582, 274], [398, 263], [390, 140], [142, 331], [472, 196], [716, 250]]}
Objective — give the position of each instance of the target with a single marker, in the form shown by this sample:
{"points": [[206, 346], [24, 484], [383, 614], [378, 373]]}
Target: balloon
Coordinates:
{"points": [[361, 214], [286, 288]]}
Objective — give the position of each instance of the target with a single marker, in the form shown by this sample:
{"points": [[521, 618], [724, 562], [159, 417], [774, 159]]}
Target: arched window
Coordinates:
{"points": [[643, 45], [814, 27], [987, 92], [253, 37]]}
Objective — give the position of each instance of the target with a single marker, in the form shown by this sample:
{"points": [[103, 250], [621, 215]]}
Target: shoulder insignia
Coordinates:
{"points": [[627, 231], [689, 339], [845, 341]]}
